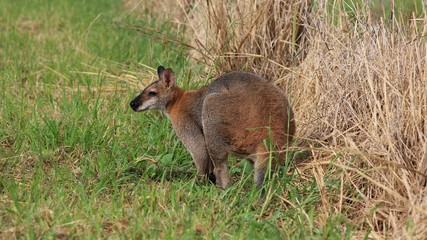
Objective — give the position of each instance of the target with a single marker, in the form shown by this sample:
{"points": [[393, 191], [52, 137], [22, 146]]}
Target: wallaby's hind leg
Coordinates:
{"points": [[213, 129], [203, 162], [221, 173], [194, 140], [218, 153], [261, 165]]}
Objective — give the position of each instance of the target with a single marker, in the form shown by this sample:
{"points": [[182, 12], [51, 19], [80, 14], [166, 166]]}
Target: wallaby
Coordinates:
{"points": [[235, 114]]}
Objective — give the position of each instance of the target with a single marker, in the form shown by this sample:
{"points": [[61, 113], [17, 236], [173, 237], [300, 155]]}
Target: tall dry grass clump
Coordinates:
{"points": [[256, 35], [361, 94]]}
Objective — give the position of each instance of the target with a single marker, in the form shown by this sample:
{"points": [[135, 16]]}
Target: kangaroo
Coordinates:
{"points": [[234, 114]]}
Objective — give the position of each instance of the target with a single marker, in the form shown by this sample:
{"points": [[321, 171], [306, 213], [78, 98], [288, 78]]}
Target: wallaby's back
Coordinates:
{"points": [[250, 108], [240, 111]]}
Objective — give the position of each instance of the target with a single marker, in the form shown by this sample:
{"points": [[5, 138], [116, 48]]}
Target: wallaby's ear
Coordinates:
{"points": [[160, 70], [168, 78]]}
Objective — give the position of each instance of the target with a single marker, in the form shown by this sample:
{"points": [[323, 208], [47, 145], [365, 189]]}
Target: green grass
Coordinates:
{"points": [[76, 162]]}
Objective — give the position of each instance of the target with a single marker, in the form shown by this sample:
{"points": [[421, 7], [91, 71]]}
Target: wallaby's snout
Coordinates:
{"points": [[134, 104]]}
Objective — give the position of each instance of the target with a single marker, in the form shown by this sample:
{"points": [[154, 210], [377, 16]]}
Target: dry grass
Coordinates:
{"points": [[359, 91], [362, 93], [259, 36]]}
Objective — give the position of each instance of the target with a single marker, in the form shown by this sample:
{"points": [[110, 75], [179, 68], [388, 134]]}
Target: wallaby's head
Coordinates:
{"points": [[157, 94]]}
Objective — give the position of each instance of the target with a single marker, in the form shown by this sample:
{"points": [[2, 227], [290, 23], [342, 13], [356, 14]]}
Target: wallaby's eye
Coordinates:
{"points": [[152, 94]]}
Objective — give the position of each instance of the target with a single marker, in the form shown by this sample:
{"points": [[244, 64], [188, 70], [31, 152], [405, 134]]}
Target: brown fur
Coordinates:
{"points": [[232, 115]]}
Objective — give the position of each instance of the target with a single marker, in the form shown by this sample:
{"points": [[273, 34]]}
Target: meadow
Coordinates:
{"points": [[77, 163]]}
